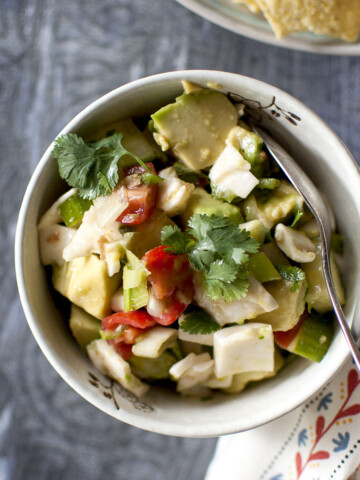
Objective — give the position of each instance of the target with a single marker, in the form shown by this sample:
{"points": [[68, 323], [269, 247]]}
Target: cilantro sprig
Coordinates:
{"points": [[199, 322], [217, 248], [92, 167], [291, 274], [188, 175]]}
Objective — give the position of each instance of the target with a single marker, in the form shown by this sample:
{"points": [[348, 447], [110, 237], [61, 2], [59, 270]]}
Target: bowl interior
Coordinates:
{"points": [[324, 158]]}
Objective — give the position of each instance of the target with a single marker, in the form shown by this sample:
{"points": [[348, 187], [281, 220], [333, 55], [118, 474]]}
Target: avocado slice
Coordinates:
{"points": [[85, 282], [196, 126], [147, 235], [84, 327], [291, 305], [317, 296], [277, 206], [153, 368], [133, 140], [202, 202]]}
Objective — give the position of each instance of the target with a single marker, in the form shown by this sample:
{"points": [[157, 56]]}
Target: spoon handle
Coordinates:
{"points": [[314, 201], [349, 337]]}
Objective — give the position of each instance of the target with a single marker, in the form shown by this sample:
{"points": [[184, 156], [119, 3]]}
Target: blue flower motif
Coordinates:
{"points": [[324, 402], [279, 476], [342, 443], [302, 437]]}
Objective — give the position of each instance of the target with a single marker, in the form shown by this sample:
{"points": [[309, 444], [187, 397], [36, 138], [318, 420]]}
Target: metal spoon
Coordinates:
{"points": [[317, 206]]}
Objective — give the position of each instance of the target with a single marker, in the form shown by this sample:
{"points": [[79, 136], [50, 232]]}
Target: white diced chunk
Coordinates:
{"points": [[154, 342], [182, 366], [231, 173], [53, 239], [98, 227], [117, 300], [110, 363], [173, 192], [256, 302], [295, 244], [196, 374], [113, 252], [195, 338], [215, 382], [244, 348]]}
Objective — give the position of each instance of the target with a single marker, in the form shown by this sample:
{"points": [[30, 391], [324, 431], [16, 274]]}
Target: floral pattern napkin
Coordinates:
{"points": [[318, 441]]}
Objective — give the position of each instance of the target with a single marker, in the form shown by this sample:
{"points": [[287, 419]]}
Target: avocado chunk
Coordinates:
{"points": [[202, 202], [84, 327], [85, 282], [291, 305], [256, 230], [147, 235], [317, 296], [196, 126], [153, 368], [133, 140], [277, 206]]}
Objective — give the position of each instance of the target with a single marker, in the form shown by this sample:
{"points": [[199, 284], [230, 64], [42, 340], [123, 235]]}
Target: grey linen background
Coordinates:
{"points": [[55, 58]]}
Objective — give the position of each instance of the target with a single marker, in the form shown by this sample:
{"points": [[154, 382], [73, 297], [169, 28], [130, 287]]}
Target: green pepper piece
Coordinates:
{"points": [[73, 209], [262, 268]]}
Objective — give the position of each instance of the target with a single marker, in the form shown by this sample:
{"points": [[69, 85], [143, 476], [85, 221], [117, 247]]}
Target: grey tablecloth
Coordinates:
{"points": [[55, 58]]}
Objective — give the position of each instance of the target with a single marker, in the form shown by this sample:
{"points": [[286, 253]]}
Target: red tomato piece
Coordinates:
{"points": [[174, 306], [284, 339], [123, 349], [139, 319], [142, 198], [167, 271]]}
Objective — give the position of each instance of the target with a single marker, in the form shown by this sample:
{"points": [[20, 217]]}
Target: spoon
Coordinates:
{"points": [[318, 208]]}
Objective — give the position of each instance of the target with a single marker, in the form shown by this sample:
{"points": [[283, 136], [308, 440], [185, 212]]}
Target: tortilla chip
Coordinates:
{"points": [[251, 4], [335, 18]]}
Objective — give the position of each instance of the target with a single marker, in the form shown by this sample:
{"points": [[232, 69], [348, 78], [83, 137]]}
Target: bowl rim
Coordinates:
{"points": [[135, 419], [213, 11]]}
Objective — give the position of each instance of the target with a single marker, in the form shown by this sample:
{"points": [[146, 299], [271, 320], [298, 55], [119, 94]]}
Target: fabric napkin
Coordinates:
{"points": [[318, 441]]}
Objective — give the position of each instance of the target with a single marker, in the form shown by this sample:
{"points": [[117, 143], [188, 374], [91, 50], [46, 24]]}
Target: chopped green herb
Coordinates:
{"points": [[188, 175], [291, 274], [220, 251], [199, 322], [177, 241], [297, 217], [91, 167]]}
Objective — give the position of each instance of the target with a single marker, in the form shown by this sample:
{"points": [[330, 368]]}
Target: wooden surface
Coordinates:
{"points": [[55, 58]]}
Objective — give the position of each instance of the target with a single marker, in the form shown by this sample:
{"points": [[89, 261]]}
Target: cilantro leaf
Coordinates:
{"points": [[199, 322], [201, 224], [291, 274], [188, 175], [297, 217], [228, 283], [175, 240], [91, 167]]}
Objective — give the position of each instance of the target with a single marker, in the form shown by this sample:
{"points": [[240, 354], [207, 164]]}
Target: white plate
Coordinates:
{"points": [[240, 20]]}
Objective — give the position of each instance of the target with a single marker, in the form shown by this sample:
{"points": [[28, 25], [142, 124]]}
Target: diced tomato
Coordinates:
{"points": [[138, 169], [139, 319], [284, 339], [135, 323], [167, 271], [142, 198], [174, 306], [123, 349]]}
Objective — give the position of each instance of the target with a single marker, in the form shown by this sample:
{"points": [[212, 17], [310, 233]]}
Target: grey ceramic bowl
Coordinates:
{"points": [[322, 155]]}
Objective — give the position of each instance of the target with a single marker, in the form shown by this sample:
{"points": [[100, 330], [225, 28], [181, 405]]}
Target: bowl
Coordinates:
{"points": [[320, 153]]}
